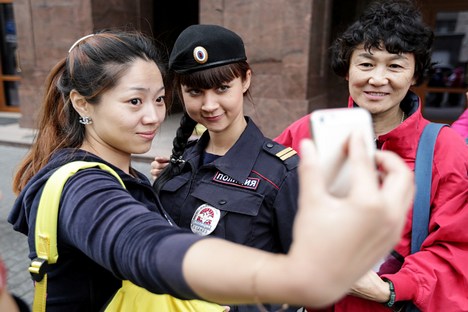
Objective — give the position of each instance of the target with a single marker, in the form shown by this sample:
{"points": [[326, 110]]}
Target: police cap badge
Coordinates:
{"points": [[200, 47]]}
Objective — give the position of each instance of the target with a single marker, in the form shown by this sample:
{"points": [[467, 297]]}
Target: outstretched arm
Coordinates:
{"points": [[336, 240]]}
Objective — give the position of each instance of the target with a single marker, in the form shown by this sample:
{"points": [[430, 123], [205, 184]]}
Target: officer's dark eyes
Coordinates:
{"points": [[222, 89], [194, 92]]}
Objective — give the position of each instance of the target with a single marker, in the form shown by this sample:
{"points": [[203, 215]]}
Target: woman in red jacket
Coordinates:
{"points": [[381, 56]]}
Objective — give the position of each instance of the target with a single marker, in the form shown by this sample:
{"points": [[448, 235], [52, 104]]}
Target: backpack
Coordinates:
{"points": [[129, 297]]}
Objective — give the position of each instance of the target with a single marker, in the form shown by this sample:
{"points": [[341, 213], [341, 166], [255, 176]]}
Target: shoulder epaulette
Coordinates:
{"points": [[286, 154]]}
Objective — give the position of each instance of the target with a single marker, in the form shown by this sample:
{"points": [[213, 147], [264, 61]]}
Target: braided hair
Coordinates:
{"points": [[183, 133]]}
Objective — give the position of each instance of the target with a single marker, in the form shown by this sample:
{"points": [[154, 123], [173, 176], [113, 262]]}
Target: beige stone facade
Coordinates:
{"points": [[288, 60], [286, 44], [45, 31]]}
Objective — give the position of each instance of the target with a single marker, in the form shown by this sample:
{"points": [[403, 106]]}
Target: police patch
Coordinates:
{"points": [[249, 183], [205, 219]]}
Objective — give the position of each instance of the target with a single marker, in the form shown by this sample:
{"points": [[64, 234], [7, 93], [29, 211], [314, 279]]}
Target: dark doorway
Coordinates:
{"points": [[169, 19]]}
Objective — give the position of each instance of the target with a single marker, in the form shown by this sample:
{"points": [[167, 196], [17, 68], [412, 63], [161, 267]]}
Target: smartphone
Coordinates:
{"points": [[330, 130]]}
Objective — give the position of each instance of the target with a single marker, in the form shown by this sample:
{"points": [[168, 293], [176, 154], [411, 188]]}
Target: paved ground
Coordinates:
{"points": [[13, 245], [14, 143]]}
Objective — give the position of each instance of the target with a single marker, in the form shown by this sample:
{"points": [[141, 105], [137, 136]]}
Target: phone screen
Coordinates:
{"points": [[330, 130]]}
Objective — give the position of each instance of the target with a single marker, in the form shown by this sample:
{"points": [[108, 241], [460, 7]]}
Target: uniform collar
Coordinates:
{"points": [[239, 161]]}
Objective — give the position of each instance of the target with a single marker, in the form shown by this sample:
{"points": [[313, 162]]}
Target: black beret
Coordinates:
{"points": [[200, 47]]}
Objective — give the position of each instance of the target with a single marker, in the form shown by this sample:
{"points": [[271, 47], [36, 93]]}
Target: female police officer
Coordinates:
{"points": [[233, 182]]}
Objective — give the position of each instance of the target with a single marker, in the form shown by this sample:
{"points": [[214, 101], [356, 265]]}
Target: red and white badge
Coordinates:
{"points": [[205, 219]]}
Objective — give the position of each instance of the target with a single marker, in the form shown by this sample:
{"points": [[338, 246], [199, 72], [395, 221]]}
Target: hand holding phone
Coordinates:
{"points": [[330, 129]]}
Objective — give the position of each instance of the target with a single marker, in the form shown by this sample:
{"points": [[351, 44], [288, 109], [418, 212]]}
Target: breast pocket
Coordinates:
{"points": [[173, 195], [239, 210], [175, 183]]}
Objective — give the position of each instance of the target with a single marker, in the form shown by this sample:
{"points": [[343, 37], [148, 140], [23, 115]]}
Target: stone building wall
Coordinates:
{"points": [[136, 14], [46, 30], [286, 46]]}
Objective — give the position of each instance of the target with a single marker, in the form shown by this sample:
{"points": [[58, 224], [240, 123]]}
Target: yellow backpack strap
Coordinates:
{"points": [[46, 225]]}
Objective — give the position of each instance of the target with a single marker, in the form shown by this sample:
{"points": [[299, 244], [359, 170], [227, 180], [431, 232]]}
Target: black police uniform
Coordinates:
{"points": [[249, 195], [253, 188]]}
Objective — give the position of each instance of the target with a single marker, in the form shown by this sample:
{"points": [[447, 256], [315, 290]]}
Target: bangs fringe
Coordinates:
{"points": [[212, 77]]}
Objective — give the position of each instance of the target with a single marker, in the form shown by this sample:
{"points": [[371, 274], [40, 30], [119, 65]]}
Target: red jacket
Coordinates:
{"points": [[294, 133], [435, 278], [461, 124]]}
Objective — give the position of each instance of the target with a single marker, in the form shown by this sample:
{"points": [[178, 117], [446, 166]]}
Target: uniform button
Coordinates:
{"points": [[269, 145], [222, 202]]}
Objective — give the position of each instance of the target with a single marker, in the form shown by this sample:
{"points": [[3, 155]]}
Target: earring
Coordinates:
{"points": [[85, 120]]}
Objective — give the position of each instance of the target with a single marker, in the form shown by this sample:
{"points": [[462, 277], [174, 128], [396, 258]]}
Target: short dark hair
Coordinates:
{"points": [[395, 25]]}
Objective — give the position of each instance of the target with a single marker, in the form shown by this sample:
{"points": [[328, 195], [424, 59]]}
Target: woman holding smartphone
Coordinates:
{"points": [[382, 55]]}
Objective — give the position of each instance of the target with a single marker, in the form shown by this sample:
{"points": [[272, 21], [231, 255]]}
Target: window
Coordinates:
{"points": [[443, 95], [9, 61]]}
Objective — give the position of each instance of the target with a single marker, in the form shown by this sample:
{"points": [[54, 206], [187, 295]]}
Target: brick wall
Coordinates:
{"points": [[286, 46]]}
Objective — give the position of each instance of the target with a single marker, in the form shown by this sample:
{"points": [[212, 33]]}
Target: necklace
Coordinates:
{"points": [[402, 117]]}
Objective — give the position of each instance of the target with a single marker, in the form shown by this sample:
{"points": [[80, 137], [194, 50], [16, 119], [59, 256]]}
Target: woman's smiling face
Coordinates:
{"points": [[128, 116], [379, 80], [219, 109]]}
